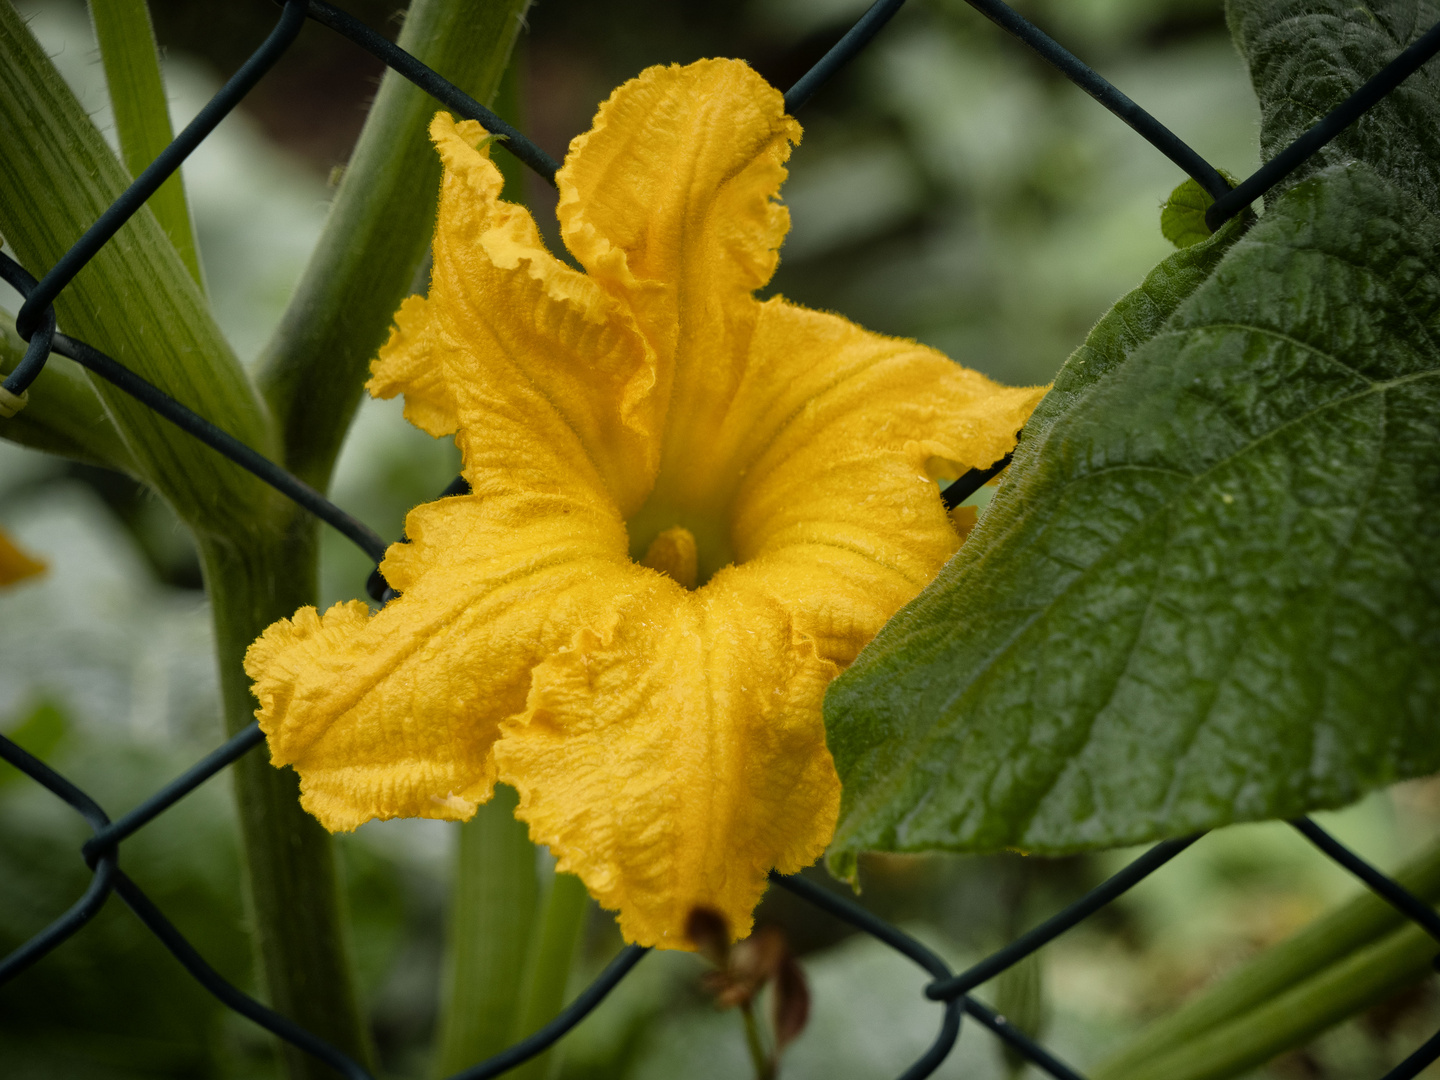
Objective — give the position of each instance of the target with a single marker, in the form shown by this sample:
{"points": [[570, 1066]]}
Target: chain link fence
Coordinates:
{"points": [[36, 322]]}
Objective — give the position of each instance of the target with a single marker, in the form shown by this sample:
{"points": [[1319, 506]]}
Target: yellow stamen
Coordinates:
{"points": [[673, 553]]}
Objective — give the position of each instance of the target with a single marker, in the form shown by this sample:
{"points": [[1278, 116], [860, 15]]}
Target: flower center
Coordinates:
{"points": [[689, 547], [673, 553]]}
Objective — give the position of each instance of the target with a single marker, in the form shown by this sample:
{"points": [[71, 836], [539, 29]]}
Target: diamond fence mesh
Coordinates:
{"points": [[36, 323]]}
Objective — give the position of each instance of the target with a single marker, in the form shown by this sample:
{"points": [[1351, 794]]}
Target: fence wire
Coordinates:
{"points": [[36, 323]]}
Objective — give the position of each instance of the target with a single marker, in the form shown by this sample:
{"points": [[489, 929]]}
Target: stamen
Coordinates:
{"points": [[673, 553]]}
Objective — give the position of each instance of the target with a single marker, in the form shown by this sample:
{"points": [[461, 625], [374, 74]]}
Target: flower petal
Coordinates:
{"points": [[412, 362], [16, 565], [669, 201], [673, 761], [831, 447], [394, 715], [553, 353], [668, 744]]}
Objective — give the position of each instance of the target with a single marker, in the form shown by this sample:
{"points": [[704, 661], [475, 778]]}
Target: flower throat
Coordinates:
{"points": [[688, 547]]}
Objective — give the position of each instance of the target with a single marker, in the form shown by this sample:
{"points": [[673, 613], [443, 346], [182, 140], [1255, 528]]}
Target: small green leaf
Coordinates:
{"points": [[1182, 218], [1208, 592]]}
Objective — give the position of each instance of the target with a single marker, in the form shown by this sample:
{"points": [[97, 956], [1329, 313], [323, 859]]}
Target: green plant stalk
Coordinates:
{"points": [[135, 300], [377, 233], [289, 858], [142, 114], [491, 921], [1020, 998], [552, 954], [760, 1060], [1301, 971], [64, 416], [1364, 978]]}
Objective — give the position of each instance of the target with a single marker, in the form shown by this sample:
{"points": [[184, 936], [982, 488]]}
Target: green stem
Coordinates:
{"points": [[491, 922], [377, 233], [289, 860], [64, 416], [1363, 979], [763, 1063], [552, 955], [142, 114], [1323, 973], [135, 299]]}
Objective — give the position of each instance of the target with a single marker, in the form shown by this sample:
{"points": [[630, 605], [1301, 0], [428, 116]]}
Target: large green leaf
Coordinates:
{"points": [[1307, 56], [1211, 590]]}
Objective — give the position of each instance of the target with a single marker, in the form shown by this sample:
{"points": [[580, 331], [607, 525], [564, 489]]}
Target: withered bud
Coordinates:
{"points": [[789, 1002], [708, 931]]}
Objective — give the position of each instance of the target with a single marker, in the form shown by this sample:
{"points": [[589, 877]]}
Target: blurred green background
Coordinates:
{"points": [[949, 187]]}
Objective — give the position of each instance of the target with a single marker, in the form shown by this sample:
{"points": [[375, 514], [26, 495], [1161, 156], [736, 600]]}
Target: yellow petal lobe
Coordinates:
{"points": [[669, 201], [394, 714], [527, 340], [672, 762]]}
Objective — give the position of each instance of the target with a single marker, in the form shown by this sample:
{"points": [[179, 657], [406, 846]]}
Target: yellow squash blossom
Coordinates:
{"points": [[690, 509], [15, 565]]}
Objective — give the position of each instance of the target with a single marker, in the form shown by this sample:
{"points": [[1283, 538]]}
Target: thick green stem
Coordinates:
{"points": [[142, 114], [1335, 966], [377, 233], [552, 955], [289, 861], [135, 299], [491, 921]]}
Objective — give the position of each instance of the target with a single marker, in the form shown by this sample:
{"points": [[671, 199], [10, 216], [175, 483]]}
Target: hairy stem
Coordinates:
{"points": [[491, 922], [377, 232], [289, 860], [552, 954], [142, 114]]}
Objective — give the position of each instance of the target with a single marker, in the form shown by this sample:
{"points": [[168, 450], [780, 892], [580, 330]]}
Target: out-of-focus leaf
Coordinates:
{"points": [[38, 734]]}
